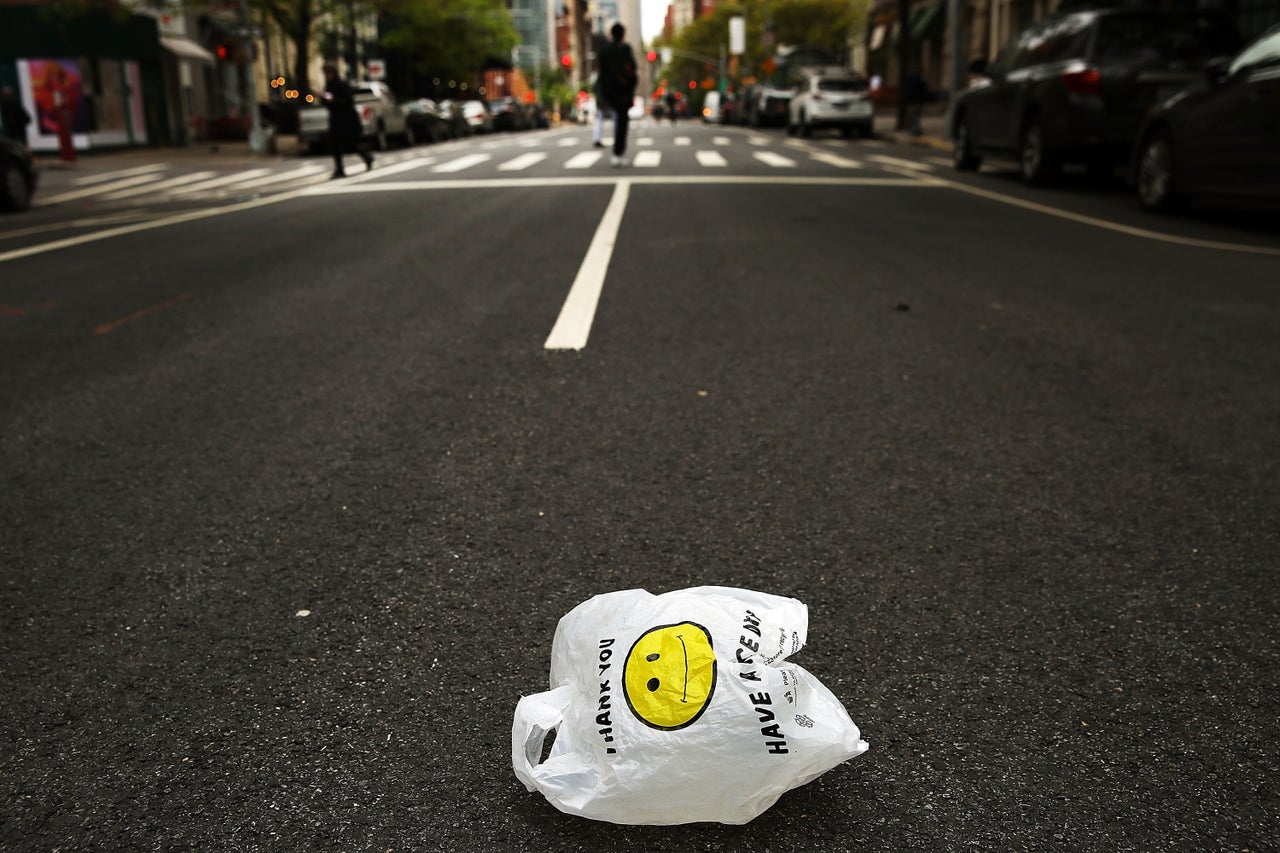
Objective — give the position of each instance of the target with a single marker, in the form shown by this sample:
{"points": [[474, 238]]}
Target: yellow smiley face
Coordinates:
{"points": [[669, 675]]}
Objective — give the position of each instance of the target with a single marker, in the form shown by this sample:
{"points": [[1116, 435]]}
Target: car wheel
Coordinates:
{"points": [[14, 193], [410, 139], [805, 129], [847, 131], [1036, 164], [962, 155], [1154, 178]]}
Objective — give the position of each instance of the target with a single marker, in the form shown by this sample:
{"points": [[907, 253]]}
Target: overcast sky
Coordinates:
{"points": [[652, 14]]}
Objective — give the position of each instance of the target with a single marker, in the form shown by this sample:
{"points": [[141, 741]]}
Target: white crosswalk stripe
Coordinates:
{"points": [[524, 161], [118, 173], [757, 140], [162, 185], [903, 164], [567, 142], [214, 183], [720, 140], [683, 140], [769, 158], [292, 174], [710, 158], [464, 162], [645, 141], [97, 190], [835, 160], [583, 159], [647, 159]]}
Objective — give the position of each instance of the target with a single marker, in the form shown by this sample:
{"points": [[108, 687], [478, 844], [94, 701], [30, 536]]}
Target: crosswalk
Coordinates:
{"points": [[574, 153]]}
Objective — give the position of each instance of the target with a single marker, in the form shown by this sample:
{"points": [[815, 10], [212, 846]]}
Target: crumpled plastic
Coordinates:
{"points": [[678, 708]]}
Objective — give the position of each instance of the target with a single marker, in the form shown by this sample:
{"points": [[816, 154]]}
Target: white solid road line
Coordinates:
{"points": [[583, 159], [573, 326], [524, 161], [710, 158], [776, 160], [647, 159], [464, 162]]}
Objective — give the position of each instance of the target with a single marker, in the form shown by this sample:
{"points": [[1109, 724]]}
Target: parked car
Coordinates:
{"points": [[18, 175], [381, 119], [1075, 87], [456, 117], [426, 121], [712, 112], [1220, 138], [830, 97], [538, 116], [478, 117], [508, 114], [763, 104]]}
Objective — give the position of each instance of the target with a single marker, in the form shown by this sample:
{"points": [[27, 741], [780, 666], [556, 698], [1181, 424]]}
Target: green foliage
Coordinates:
{"points": [[450, 37]]}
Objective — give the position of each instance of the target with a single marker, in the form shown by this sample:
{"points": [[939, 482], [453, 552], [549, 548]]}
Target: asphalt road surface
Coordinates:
{"points": [[299, 478]]}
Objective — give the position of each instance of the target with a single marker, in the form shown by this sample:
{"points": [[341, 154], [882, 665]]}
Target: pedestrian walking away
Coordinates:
{"points": [[915, 94], [618, 85], [344, 121], [670, 99], [597, 132], [13, 115]]}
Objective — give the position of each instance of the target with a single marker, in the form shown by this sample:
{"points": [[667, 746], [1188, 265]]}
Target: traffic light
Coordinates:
{"points": [[652, 56], [222, 51], [566, 61], [693, 84]]}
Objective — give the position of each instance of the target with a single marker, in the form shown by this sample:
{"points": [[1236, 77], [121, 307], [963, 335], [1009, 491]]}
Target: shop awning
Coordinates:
{"points": [[184, 48]]}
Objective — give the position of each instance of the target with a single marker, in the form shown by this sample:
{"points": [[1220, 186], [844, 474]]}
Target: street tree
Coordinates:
{"points": [[449, 37]]}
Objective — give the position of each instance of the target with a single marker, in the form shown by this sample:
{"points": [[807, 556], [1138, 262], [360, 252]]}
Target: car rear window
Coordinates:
{"points": [[842, 84], [1151, 37]]}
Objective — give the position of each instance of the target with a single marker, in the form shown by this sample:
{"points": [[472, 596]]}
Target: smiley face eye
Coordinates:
{"points": [[653, 684], [653, 657]]}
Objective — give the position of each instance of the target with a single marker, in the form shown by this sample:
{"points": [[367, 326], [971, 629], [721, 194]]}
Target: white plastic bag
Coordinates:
{"points": [[678, 708]]}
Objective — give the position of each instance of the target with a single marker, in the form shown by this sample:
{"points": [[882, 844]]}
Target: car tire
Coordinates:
{"points": [[847, 131], [410, 139], [1154, 173], [1037, 165], [962, 156], [15, 194]]}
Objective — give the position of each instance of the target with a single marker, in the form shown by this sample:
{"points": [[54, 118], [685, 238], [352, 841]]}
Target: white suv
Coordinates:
{"points": [[830, 97]]}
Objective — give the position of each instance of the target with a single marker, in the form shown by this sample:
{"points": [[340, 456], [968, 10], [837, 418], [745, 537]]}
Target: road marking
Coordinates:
{"points": [[406, 166], [222, 181], [683, 140], [119, 173], [710, 158], [568, 142], [583, 160], [720, 140], [940, 161], [769, 158], [579, 310], [836, 160], [107, 328], [95, 190], [464, 162], [645, 140], [897, 161], [129, 215], [647, 159], [300, 172], [524, 161], [757, 140], [162, 185]]}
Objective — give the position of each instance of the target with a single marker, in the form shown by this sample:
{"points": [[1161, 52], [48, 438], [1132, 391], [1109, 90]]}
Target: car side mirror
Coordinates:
{"points": [[1217, 70]]}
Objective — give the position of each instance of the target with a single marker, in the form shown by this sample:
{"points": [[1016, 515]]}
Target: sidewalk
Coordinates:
{"points": [[933, 123]]}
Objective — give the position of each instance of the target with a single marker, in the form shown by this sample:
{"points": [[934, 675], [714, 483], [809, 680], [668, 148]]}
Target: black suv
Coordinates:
{"points": [[1075, 87]]}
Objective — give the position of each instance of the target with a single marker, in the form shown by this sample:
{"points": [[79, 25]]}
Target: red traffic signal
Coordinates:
{"points": [[652, 56], [221, 51], [693, 84], [566, 61]]}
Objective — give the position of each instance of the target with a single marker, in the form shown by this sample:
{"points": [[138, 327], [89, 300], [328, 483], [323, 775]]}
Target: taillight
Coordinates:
{"points": [[1083, 81], [366, 112]]}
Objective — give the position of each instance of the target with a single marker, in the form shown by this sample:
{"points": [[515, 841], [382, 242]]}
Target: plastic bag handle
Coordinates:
{"points": [[535, 716]]}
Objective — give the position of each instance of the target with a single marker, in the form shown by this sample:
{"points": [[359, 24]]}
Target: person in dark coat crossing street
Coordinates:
{"points": [[344, 121], [617, 83]]}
